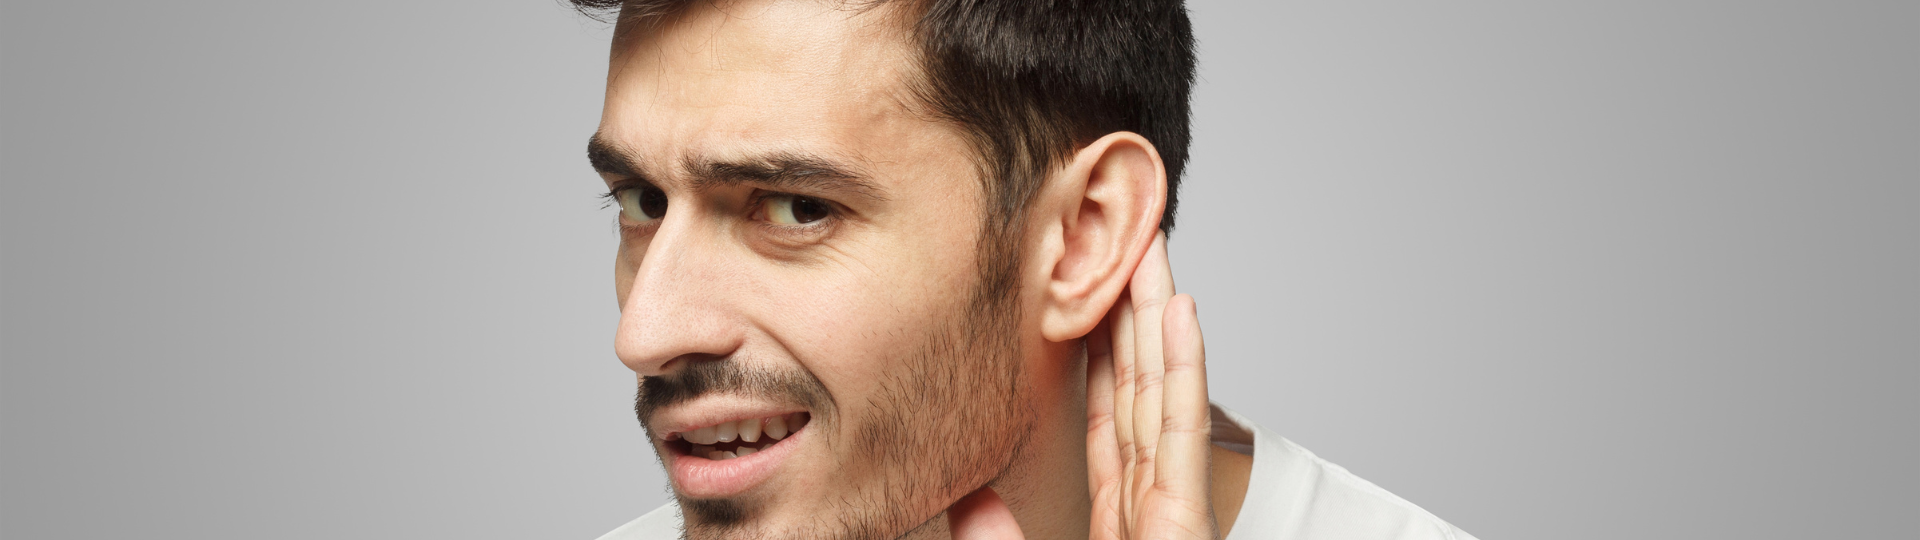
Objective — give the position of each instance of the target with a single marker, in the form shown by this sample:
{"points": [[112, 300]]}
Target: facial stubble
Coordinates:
{"points": [[948, 418]]}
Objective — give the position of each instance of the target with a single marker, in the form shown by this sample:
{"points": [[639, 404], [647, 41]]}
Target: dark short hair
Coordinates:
{"points": [[1030, 81]]}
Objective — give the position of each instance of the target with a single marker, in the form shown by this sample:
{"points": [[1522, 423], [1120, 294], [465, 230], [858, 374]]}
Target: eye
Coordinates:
{"points": [[793, 210], [642, 203]]}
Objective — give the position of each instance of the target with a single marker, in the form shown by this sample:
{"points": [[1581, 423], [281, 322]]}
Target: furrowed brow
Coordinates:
{"points": [[790, 170]]}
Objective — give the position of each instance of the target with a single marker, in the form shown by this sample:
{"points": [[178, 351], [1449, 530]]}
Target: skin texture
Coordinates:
{"points": [[932, 393], [1148, 425]]}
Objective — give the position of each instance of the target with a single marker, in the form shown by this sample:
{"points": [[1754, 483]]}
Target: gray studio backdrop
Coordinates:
{"points": [[336, 270]]}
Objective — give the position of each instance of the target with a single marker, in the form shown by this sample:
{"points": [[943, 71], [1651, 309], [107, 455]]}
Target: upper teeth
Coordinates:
{"points": [[749, 430]]}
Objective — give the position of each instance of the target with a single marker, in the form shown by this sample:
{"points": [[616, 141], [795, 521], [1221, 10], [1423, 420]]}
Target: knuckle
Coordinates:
{"points": [[1146, 454], [1178, 429], [1184, 361], [1143, 306], [1100, 420], [1151, 380]]}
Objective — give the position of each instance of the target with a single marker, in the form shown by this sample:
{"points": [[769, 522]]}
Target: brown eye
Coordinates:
{"points": [[642, 204], [794, 209], [807, 210]]}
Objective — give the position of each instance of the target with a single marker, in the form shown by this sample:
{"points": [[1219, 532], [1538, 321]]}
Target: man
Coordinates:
{"points": [[897, 269]]}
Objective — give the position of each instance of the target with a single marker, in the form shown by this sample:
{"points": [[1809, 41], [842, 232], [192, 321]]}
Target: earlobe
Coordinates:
{"points": [[1108, 201]]}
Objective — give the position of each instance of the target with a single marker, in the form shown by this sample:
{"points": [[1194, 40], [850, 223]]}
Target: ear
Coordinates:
{"points": [[1101, 213]]}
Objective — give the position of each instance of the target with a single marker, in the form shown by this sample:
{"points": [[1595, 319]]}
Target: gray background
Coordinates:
{"points": [[335, 269]]}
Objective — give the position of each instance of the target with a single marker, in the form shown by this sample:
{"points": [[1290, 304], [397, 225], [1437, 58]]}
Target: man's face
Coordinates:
{"points": [[797, 244]]}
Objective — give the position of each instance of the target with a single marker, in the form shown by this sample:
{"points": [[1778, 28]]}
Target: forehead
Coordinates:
{"points": [[733, 78]]}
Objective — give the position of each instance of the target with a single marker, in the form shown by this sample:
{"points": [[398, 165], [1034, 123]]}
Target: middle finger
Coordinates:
{"points": [[1151, 288]]}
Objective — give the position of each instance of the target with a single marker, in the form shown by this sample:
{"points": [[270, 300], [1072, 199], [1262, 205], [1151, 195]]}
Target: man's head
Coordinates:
{"points": [[884, 225]]}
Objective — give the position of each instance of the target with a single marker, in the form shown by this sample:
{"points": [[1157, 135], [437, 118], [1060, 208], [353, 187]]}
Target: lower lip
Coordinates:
{"points": [[701, 478]]}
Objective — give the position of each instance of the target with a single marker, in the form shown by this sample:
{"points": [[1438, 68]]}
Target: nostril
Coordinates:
{"points": [[690, 361]]}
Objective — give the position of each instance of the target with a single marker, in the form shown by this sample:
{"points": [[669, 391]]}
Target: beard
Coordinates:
{"points": [[945, 419]]}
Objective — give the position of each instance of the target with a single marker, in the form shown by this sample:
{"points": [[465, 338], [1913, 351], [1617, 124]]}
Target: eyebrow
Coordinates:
{"points": [[780, 169], [606, 158]]}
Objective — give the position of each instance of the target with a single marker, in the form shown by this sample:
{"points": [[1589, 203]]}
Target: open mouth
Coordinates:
{"points": [[728, 440]]}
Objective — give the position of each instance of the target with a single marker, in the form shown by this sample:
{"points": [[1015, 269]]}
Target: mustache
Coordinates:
{"points": [[726, 376]]}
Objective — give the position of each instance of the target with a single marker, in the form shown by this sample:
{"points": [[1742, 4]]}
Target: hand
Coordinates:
{"points": [[1148, 425]]}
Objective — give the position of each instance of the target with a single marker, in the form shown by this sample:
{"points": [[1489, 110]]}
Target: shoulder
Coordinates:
{"points": [[1294, 494], [661, 523]]}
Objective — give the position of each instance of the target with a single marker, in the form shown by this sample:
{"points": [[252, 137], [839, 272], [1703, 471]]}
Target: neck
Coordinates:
{"points": [[1047, 490]]}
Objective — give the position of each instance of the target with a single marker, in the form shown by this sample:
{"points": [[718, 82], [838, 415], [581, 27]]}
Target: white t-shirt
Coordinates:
{"points": [[1291, 495]]}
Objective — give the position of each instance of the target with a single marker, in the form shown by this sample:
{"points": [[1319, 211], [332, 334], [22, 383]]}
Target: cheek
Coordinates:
{"points": [[854, 330], [626, 263], [847, 336]]}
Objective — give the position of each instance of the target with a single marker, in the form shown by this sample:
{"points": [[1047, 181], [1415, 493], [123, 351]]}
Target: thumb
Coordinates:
{"points": [[982, 516]]}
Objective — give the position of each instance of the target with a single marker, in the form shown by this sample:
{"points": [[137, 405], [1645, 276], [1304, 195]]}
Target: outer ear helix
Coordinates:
{"points": [[1105, 233]]}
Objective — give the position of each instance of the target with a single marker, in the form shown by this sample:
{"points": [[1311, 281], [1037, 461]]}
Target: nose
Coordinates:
{"points": [[677, 307]]}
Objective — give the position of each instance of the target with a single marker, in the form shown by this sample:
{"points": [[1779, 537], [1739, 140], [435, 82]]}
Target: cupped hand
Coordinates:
{"points": [[1148, 425]]}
